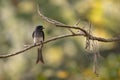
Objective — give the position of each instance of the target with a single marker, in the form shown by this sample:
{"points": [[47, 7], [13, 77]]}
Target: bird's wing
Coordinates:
{"points": [[43, 35]]}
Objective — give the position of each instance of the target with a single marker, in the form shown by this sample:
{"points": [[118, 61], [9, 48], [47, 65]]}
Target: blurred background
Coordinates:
{"points": [[65, 59]]}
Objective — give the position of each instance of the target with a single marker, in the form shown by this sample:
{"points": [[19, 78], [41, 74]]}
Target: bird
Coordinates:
{"points": [[38, 37]]}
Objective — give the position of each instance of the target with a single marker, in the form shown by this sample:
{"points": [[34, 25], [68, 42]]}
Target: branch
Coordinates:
{"points": [[60, 37], [59, 24], [86, 34], [114, 39], [32, 46], [49, 20]]}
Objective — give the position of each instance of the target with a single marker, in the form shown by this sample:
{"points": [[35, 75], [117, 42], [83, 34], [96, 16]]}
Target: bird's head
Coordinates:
{"points": [[39, 27]]}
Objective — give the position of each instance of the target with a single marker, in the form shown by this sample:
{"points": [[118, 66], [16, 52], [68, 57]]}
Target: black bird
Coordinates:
{"points": [[38, 37]]}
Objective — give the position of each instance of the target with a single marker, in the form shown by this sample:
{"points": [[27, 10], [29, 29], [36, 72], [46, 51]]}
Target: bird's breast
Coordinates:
{"points": [[38, 39]]}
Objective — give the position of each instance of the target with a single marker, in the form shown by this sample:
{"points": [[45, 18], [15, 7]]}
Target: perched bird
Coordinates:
{"points": [[38, 37]]}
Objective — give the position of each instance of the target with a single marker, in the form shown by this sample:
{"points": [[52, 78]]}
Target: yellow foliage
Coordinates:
{"points": [[96, 14], [54, 56], [26, 6], [62, 74]]}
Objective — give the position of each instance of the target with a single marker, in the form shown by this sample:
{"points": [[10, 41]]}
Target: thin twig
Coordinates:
{"points": [[95, 64], [88, 42], [77, 22]]}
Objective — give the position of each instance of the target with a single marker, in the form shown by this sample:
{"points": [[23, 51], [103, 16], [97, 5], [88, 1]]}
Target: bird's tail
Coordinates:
{"points": [[40, 57]]}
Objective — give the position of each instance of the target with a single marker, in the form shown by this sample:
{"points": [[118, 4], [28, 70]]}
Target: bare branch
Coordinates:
{"points": [[59, 24], [64, 36], [114, 39], [32, 46], [86, 34], [49, 20]]}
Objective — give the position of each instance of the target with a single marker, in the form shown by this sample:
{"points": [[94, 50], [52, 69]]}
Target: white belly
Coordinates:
{"points": [[38, 40]]}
